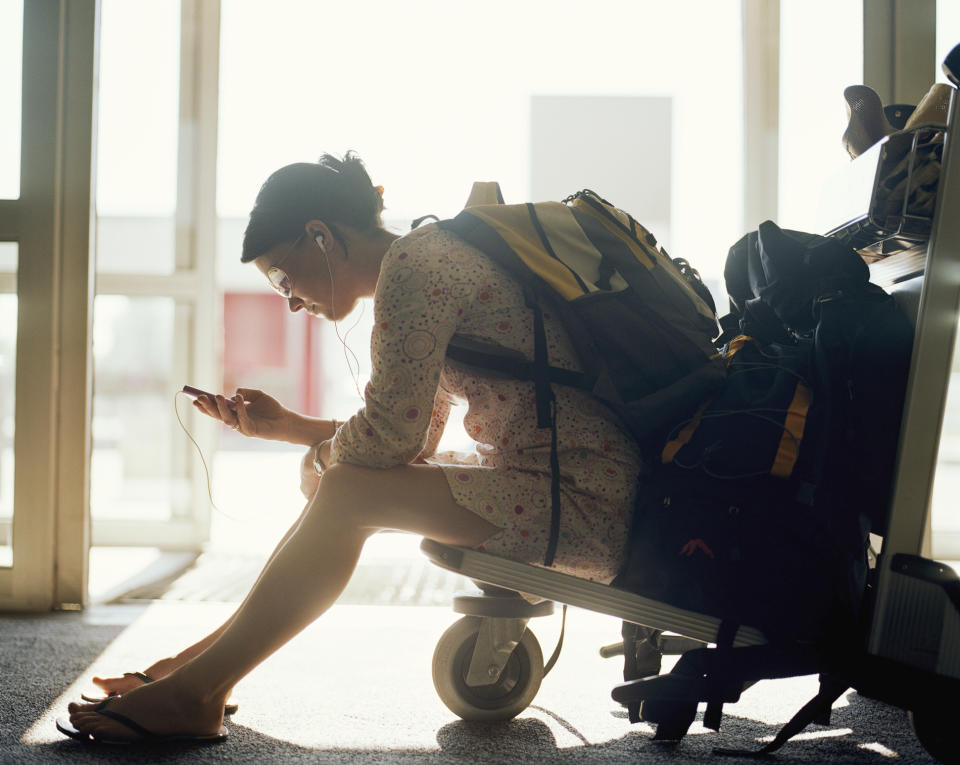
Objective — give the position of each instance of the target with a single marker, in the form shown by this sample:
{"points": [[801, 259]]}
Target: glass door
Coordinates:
{"points": [[11, 53]]}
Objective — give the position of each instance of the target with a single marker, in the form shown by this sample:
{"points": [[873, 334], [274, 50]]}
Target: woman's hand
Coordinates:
{"points": [[255, 414], [309, 480]]}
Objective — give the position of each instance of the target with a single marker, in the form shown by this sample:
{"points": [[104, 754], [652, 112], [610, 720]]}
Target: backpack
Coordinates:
{"points": [[641, 323], [759, 508]]}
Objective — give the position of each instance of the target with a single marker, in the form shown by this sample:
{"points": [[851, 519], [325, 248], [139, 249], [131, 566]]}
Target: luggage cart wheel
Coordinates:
{"points": [[935, 728], [495, 680]]}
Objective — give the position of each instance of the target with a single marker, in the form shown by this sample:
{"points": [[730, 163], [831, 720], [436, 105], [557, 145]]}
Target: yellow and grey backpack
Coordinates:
{"points": [[641, 322]]}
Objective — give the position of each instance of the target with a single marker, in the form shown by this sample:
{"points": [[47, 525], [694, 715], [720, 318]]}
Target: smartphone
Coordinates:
{"points": [[191, 391]]}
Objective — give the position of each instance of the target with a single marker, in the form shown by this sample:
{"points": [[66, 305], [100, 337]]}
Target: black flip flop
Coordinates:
{"points": [[146, 737], [228, 709]]}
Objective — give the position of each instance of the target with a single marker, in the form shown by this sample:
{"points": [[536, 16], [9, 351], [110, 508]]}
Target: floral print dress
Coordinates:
{"points": [[431, 285]]}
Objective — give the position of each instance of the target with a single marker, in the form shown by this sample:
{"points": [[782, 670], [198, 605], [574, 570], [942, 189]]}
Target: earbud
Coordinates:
{"points": [[319, 240]]}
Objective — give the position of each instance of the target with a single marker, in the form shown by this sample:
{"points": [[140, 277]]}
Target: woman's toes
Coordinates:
{"points": [[116, 684], [79, 716]]}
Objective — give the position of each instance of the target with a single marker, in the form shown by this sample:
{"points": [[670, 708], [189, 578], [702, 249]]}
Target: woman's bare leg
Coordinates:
{"points": [[164, 667], [302, 581]]}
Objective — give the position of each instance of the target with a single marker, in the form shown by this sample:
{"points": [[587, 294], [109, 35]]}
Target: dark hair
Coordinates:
{"points": [[333, 190]]}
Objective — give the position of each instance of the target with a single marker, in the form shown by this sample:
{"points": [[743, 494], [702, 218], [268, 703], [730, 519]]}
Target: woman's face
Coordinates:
{"points": [[303, 274]]}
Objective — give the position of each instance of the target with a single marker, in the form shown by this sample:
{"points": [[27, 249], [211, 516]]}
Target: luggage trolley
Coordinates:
{"points": [[488, 665]]}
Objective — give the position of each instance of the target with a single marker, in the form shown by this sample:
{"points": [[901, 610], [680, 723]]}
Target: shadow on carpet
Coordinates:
{"points": [[863, 732]]}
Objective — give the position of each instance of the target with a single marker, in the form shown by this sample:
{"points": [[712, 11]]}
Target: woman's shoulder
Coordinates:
{"points": [[431, 247]]}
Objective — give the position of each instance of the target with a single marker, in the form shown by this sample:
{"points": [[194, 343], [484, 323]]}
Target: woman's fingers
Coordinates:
{"points": [[244, 425], [228, 416], [207, 405], [249, 394]]}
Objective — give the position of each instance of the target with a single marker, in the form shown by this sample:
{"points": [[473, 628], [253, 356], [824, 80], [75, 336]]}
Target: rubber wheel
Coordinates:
{"points": [[505, 699], [936, 730]]}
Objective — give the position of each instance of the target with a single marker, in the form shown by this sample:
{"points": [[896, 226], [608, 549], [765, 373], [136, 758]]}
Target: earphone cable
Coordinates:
{"points": [[354, 374], [206, 470]]}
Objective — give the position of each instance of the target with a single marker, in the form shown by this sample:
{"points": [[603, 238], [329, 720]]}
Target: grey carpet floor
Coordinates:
{"points": [[355, 687]]}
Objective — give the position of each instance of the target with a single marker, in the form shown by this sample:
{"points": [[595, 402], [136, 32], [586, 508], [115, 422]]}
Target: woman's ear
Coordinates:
{"points": [[320, 233]]}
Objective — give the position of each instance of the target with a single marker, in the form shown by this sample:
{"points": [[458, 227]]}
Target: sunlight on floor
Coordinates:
{"points": [[877, 748], [365, 672], [354, 663], [811, 735]]}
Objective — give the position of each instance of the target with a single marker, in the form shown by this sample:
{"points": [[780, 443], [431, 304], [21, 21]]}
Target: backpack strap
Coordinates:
{"points": [[720, 676], [514, 365], [504, 361], [546, 417], [831, 689]]}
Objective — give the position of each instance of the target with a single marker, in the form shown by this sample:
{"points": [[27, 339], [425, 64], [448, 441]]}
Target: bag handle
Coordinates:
{"points": [[485, 193]]}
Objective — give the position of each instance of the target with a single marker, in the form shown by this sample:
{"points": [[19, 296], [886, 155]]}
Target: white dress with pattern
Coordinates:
{"points": [[431, 285]]}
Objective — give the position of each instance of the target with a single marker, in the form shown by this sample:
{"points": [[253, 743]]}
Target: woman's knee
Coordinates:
{"points": [[336, 499], [336, 481]]}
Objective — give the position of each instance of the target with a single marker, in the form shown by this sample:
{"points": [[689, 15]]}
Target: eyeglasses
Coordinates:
{"points": [[278, 278]]}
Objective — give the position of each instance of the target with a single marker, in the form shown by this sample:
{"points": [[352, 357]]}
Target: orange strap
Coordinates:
{"points": [[675, 445], [737, 343], [793, 425]]}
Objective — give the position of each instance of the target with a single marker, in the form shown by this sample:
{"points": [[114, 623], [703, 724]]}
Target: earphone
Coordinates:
{"points": [[319, 239]]}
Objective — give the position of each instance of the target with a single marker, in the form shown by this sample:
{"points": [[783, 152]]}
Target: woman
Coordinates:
{"points": [[316, 234]]}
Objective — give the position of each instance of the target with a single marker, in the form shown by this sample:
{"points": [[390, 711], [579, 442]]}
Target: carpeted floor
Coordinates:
{"points": [[356, 687]]}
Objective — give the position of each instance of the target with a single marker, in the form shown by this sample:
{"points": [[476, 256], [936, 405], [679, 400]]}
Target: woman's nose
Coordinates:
{"points": [[295, 304]]}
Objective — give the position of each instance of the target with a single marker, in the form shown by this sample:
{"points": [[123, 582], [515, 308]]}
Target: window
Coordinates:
{"points": [[812, 109], [144, 484], [948, 33], [137, 141], [11, 59], [432, 110], [134, 364]]}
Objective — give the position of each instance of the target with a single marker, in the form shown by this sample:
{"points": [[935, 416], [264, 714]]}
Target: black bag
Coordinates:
{"points": [[759, 510]]}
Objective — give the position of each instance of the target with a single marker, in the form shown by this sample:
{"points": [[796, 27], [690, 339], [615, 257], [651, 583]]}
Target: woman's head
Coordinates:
{"points": [[315, 232], [336, 191]]}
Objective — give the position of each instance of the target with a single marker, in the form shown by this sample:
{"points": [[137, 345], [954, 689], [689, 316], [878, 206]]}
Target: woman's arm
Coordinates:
{"points": [[258, 415], [438, 421], [420, 299], [308, 431]]}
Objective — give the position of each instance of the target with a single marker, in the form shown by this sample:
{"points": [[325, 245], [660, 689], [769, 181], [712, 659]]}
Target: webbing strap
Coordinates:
{"points": [[541, 377], [830, 691], [788, 450], [718, 677], [546, 418], [556, 651], [535, 220], [554, 487], [516, 368]]}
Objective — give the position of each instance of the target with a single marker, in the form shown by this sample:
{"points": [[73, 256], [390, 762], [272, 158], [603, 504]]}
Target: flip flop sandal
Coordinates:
{"points": [[145, 736], [228, 709]]}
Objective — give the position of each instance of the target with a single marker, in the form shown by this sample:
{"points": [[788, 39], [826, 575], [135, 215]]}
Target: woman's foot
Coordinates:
{"points": [[165, 708], [117, 686], [127, 682]]}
